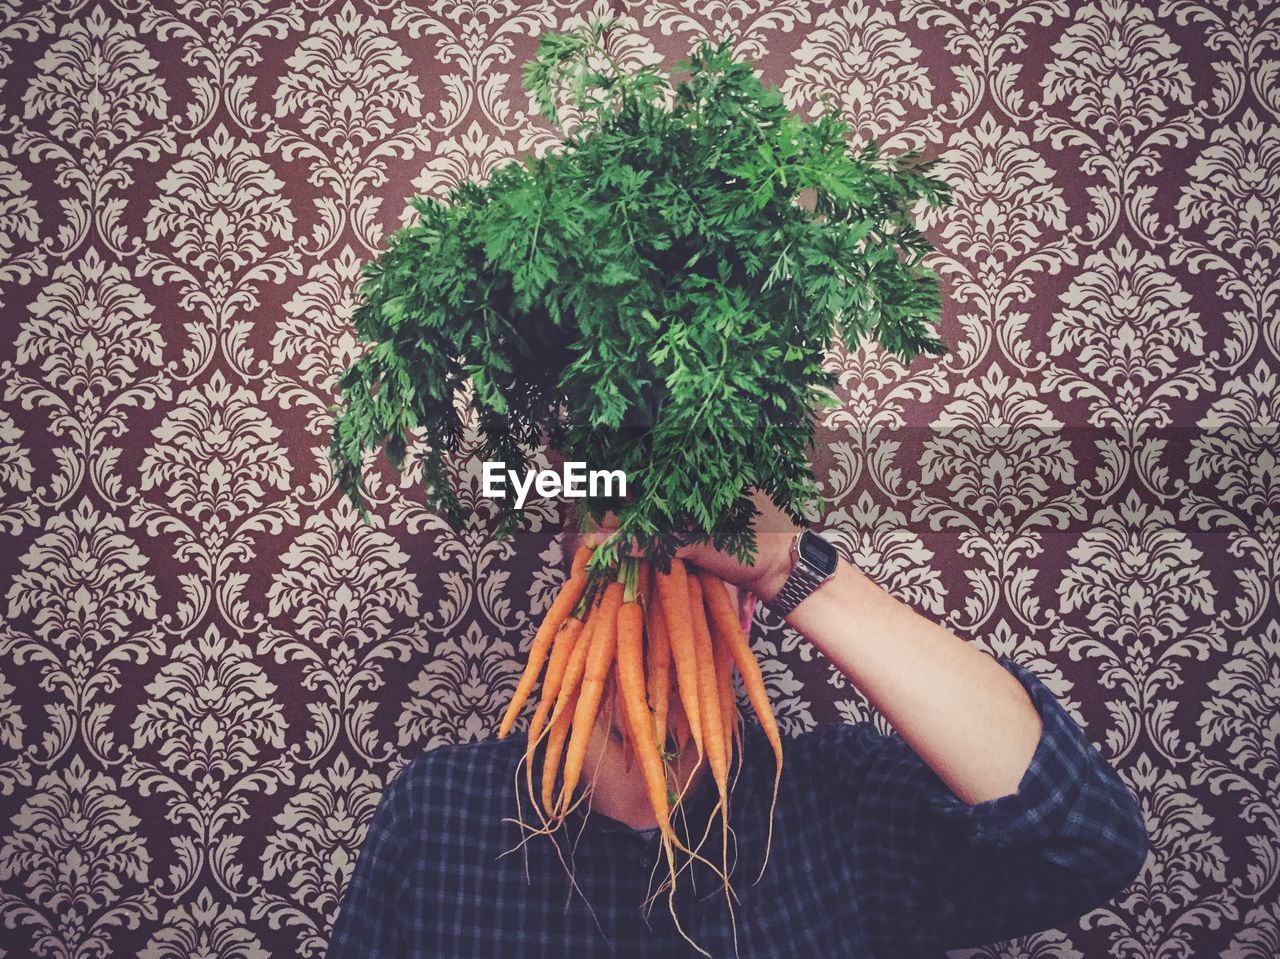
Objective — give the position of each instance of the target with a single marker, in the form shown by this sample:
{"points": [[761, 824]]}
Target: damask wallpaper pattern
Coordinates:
{"points": [[209, 667]]}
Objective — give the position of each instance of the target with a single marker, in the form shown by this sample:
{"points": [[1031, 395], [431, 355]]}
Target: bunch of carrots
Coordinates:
{"points": [[669, 643]]}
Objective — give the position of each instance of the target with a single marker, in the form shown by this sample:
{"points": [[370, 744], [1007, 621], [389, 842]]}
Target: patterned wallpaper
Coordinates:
{"points": [[209, 667]]}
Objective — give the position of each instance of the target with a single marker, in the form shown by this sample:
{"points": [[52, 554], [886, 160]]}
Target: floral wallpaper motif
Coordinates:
{"points": [[210, 667]]}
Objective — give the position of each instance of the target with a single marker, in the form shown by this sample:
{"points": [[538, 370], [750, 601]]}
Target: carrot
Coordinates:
{"points": [[709, 711], [644, 583], [708, 693], [729, 629], [561, 650], [679, 724], [629, 674], [673, 595], [566, 698], [613, 695], [577, 662], [630, 662], [728, 702], [556, 735], [571, 634], [599, 659], [658, 664], [644, 596], [563, 605]]}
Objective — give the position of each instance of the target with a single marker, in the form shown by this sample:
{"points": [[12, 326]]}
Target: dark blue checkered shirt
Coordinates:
{"points": [[873, 856]]}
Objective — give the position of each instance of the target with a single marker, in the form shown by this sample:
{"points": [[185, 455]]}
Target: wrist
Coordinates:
{"points": [[768, 575], [813, 561], [771, 574]]}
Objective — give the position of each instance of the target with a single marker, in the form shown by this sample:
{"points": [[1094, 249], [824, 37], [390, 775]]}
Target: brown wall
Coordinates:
{"points": [[209, 667]]}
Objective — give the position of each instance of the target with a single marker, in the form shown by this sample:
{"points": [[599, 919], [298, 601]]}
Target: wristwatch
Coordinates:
{"points": [[813, 562]]}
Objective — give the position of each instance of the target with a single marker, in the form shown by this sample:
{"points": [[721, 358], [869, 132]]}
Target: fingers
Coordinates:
{"points": [[707, 557], [606, 528]]}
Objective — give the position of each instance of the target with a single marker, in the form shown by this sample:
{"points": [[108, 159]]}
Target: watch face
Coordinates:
{"points": [[818, 553]]}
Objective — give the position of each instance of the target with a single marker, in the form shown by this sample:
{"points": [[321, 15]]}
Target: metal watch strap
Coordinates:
{"points": [[802, 581]]}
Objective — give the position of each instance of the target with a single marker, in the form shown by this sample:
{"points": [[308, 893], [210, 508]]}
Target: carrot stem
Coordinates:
{"points": [[673, 594]]}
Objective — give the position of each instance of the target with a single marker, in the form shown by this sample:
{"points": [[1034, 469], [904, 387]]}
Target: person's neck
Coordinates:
{"points": [[621, 793]]}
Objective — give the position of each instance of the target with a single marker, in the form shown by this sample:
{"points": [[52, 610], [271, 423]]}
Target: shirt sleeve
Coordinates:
{"points": [[366, 927], [1069, 839]]}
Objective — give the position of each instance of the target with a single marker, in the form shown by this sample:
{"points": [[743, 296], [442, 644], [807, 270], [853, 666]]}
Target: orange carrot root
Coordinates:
{"points": [[559, 731], [631, 681], [724, 685], [709, 711], [673, 595], [663, 648], [729, 629], [561, 607], [599, 659], [561, 650], [566, 641], [562, 712], [658, 671]]}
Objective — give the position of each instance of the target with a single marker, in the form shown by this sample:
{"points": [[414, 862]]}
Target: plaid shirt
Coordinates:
{"points": [[872, 855]]}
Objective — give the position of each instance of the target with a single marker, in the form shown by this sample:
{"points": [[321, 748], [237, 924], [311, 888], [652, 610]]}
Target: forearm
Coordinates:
{"points": [[956, 706]]}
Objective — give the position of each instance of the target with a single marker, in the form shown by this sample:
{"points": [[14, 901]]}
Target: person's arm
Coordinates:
{"points": [[968, 718], [934, 869], [367, 926], [1009, 820]]}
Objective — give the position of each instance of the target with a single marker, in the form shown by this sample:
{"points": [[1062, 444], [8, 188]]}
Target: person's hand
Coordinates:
{"points": [[774, 532]]}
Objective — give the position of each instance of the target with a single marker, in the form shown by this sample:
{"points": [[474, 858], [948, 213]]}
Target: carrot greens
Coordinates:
{"points": [[650, 297]]}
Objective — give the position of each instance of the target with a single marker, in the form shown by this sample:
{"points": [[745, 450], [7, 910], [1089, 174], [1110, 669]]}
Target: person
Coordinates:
{"points": [[985, 814]]}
